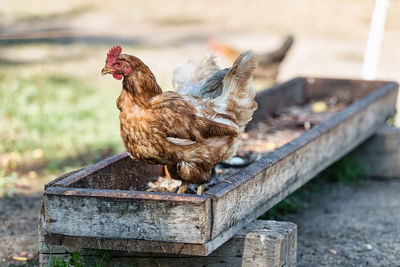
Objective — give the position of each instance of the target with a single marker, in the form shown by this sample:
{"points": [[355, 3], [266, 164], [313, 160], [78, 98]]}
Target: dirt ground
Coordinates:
{"points": [[18, 226], [351, 225]]}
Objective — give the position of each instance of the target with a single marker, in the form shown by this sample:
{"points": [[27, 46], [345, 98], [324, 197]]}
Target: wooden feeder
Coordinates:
{"points": [[94, 208]]}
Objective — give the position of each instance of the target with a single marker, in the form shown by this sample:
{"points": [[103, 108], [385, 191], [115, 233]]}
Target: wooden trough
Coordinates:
{"points": [[94, 208]]}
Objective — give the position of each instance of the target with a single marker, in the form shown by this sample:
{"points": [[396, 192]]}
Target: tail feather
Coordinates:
{"points": [[241, 72], [238, 93]]}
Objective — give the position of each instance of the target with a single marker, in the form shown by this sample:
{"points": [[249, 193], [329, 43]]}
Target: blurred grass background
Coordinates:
{"points": [[56, 111]]}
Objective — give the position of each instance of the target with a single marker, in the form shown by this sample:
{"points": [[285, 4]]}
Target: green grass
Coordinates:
{"points": [[291, 203], [52, 123], [56, 112], [288, 205], [346, 170], [98, 258]]}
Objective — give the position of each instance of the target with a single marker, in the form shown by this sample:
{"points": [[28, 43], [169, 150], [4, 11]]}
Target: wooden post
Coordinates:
{"points": [[381, 153], [374, 43], [260, 243]]}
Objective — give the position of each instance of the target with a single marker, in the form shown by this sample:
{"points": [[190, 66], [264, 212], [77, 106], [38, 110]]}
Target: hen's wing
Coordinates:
{"points": [[185, 120]]}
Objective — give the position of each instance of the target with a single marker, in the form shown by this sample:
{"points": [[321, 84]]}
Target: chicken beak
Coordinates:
{"points": [[106, 70]]}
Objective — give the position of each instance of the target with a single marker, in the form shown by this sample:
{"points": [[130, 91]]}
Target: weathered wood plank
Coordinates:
{"points": [[277, 98], [78, 242], [261, 185], [116, 172], [316, 88], [127, 215], [261, 243], [381, 153]]}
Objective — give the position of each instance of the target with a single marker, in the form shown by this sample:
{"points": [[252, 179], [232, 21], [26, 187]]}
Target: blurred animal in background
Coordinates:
{"points": [[190, 133], [269, 62]]}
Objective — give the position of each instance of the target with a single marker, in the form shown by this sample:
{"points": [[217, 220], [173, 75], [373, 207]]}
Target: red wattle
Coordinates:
{"points": [[117, 76]]}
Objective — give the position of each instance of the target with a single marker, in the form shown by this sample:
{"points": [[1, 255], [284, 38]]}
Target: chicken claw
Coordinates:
{"points": [[182, 189], [200, 189]]}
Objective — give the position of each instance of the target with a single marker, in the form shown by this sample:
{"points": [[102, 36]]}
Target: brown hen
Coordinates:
{"points": [[185, 132]]}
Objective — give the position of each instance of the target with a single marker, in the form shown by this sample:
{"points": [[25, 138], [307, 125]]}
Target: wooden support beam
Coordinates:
{"points": [[381, 153], [260, 243]]}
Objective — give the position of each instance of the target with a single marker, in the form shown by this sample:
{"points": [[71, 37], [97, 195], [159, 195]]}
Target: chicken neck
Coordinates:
{"points": [[138, 87]]}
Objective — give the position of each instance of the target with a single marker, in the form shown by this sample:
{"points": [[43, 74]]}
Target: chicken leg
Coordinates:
{"points": [[200, 189], [166, 172], [182, 189]]}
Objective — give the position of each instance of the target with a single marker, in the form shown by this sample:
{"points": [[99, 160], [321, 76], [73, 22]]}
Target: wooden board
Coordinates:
{"points": [[86, 209], [380, 154], [109, 214], [261, 243], [117, 172]]}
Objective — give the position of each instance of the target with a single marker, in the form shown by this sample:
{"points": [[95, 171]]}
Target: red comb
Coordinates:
{"points": [[113, 53]]}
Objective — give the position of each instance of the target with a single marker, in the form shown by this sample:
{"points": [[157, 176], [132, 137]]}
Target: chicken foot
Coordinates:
{"points": [[182, 189], [200, 189]]}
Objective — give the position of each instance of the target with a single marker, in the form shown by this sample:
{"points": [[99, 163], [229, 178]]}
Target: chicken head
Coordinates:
{"points": [[115, 64]]}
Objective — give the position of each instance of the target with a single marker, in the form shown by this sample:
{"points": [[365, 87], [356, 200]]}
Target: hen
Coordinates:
{"points": [[185, 132], [268, 65]]}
